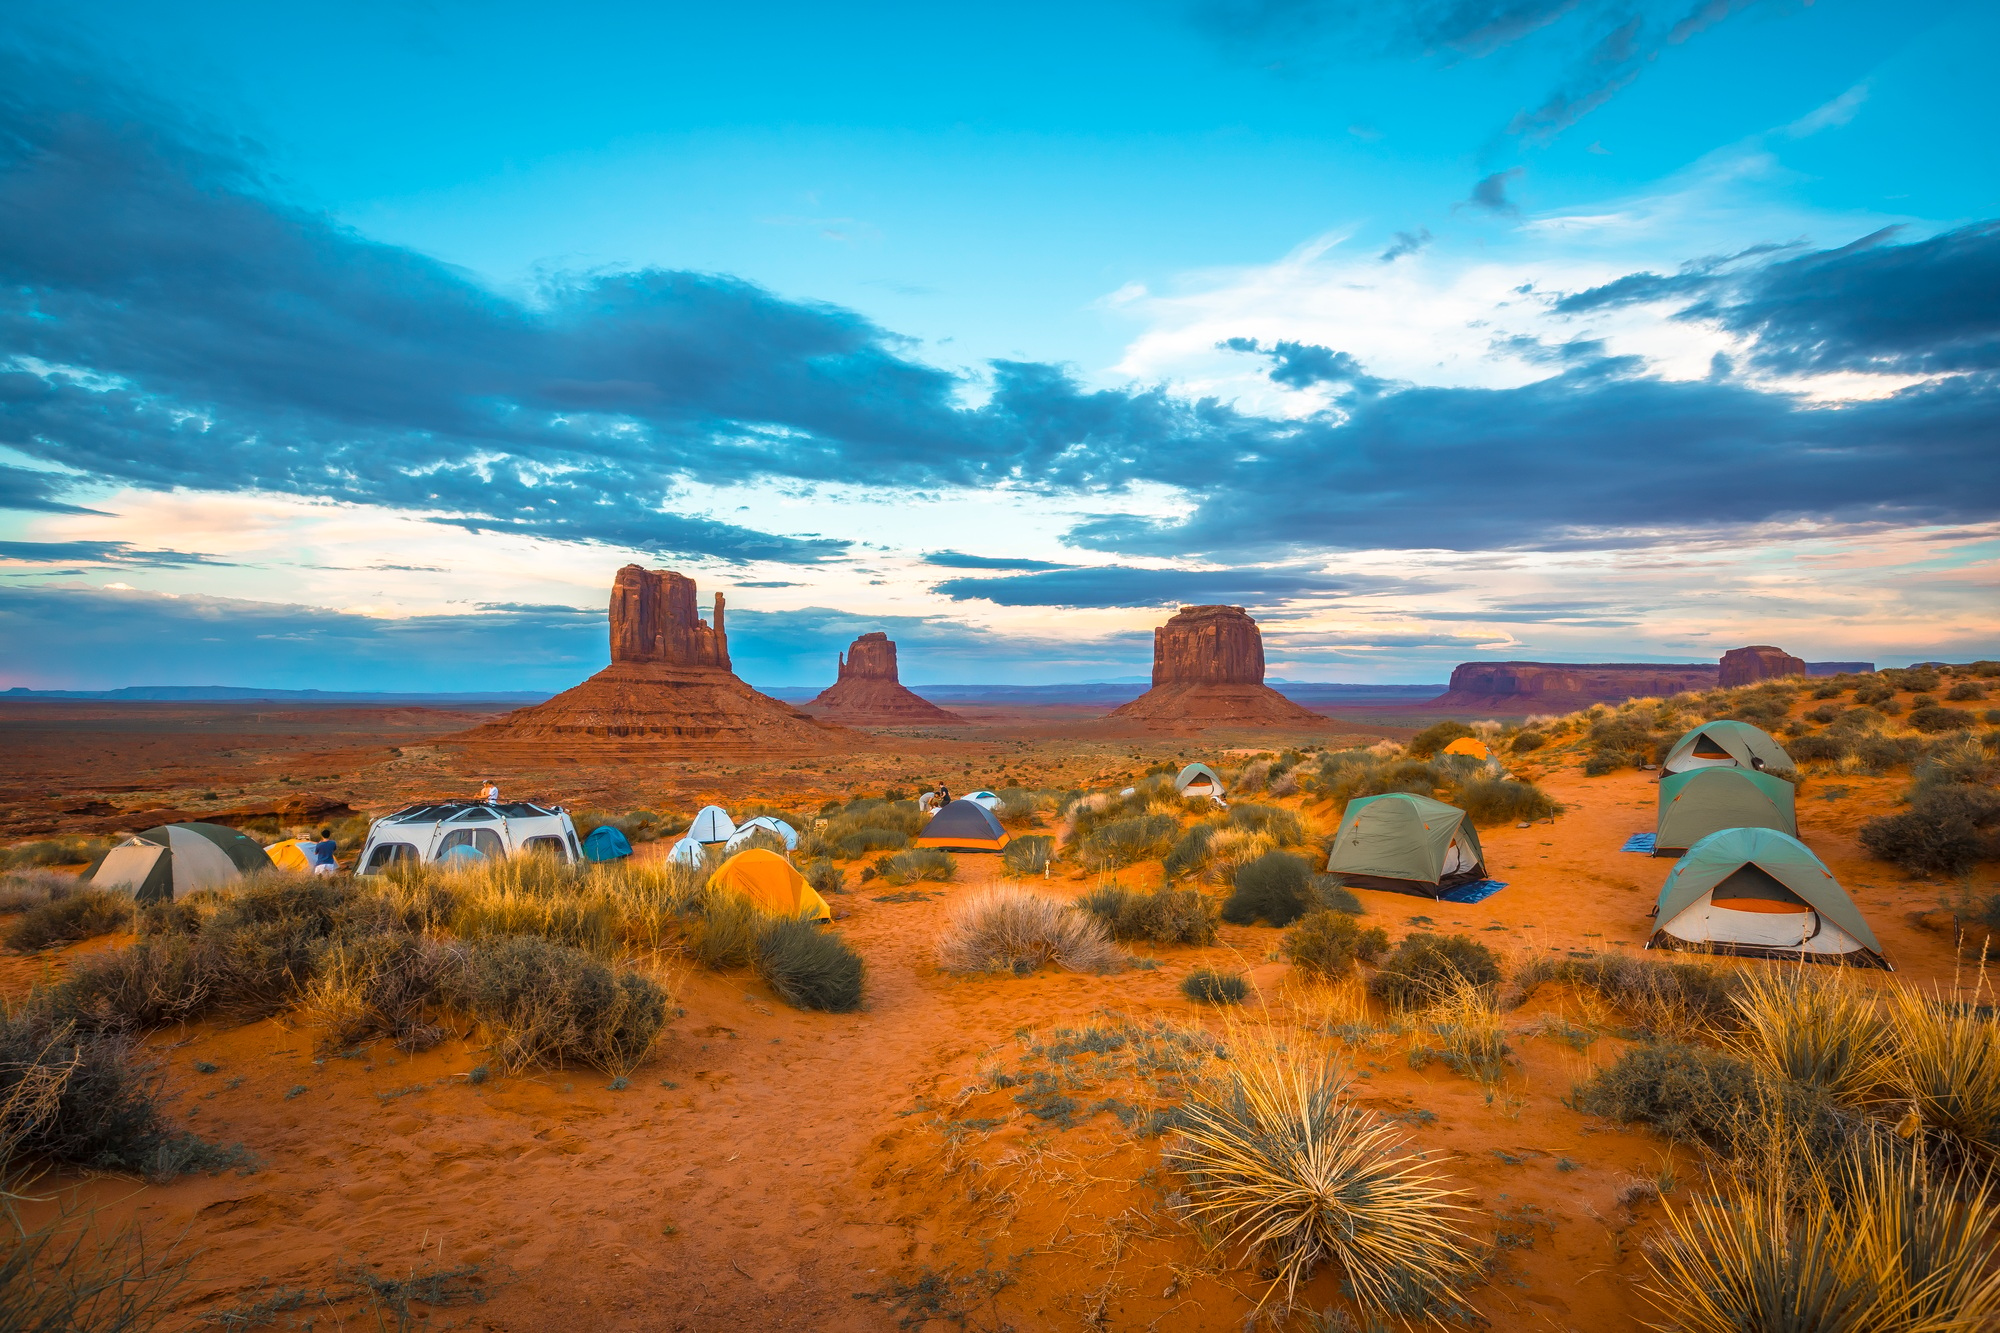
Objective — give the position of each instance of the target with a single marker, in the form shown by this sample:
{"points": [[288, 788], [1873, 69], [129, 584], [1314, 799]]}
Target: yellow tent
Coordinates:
{"points": [[293, 856], [768, 880], [1465, 745]]}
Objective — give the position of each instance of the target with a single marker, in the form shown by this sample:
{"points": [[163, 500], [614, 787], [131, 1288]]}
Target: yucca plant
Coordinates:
{"points": [[1285, 1165], [1924, 1237], [1814, 1026], [1945, 1061]]}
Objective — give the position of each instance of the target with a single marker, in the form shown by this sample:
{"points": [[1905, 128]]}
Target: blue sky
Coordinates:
{"points": [[361, 343]]}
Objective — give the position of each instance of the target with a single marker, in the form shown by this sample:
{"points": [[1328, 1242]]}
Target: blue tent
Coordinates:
{"points": [[605, 843]]}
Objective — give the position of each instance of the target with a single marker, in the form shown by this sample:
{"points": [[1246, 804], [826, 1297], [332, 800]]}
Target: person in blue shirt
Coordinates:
{"points": [[326, 854]]}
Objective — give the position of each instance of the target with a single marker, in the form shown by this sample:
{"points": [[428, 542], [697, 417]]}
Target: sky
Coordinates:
{"points": [[355, 346]]}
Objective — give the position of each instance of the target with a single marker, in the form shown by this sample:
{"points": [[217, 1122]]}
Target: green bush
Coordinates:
{"points": [[919, 863], [1946, 831], [1528, 742], [723, 934], [824, 876], [548, 1003], [1622, 741], [859, 842], [1491, 801], [1424, 967], [1276, 888], [1333, 896], [1190, 852], [80, 916], [1282, 825], [1662, 996], [1934, 719], [810, 966], [1029, 855], [1327, 943], [1879, 754], [1164, 916], [1435, 737], [1209, 986], [1697, 1095], [1124, 842]]}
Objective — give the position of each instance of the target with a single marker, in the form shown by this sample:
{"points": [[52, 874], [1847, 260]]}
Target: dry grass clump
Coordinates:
{"points": [[1328, 943], [545, 1003], [1678, 998], [722, 934], [824, 876], [1944, 1063], [1210, 985], [77, 916], [1283, 1164], [1011, 930], [1426, 969], [1465, 1024], [919, 863], [1029, 855], [23, 889], [1164, 916], [1815, 1028], [1276, 888], [1124, 842], [54, 852], [380, 986], [809, 966]]}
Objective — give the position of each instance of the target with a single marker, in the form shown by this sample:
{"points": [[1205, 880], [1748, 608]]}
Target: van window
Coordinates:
{"points": [[482, 840], [547, 846], [387, 854]]}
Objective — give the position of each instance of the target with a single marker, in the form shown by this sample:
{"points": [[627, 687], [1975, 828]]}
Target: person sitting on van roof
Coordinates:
{"points": [[490, 793]]}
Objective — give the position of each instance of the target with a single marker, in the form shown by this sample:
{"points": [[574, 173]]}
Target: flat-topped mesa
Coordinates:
{"points": [[1760, 661], [1544, 687], [868, 692], [653, 619], [1208, 671]]}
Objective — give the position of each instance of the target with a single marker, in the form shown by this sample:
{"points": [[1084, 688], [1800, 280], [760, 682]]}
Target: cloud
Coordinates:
{"points": [[100, 553], [1490, 192], [958, 560], [1298, 365], [1406, 243], [27, 489], [1118, 586]]}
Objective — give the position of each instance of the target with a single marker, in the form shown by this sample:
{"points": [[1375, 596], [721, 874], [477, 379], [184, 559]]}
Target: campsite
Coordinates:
{"points": [[899, 1118]]}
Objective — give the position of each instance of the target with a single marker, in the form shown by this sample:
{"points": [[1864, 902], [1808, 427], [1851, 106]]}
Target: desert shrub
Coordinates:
{"points": [[861, 841], [1934, 719], [1276, 889], [1814, 1028], [587, 920], [80, 916], [1206, 985], [1944, 1061], [1327, 944], [1425, 967], [1278, 1160], [23, 889], [1164, 916], [380, 986], [1189, 853], [723, 932], [1916, 680], [54, 852], [901, 816], [545, 1003], [1011, 930], [1528, 742], [1821, 746], [1122, 842], [1333, 896], [1622, 741], [1965, 692], [919, 863], [824, 876], [1945, 831], [1503, 800], [1698, 1095], [1663, 997], [1435, 737], [809, 966], [1879, 754], [1029, 855], [1280, 825]]}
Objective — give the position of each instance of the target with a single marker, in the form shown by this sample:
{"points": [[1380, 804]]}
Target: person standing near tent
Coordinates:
{"points": [[490, 792], [326, 854], [943, 796]]}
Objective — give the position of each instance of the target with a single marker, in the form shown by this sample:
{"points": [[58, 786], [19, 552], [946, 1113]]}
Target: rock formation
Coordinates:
{"points": [[1554, 687], [1208, 671], [867, 691], [668, 687], [1747, 666]]}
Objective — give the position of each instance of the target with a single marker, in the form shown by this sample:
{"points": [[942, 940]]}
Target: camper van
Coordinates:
{"points": [[451, 831]]}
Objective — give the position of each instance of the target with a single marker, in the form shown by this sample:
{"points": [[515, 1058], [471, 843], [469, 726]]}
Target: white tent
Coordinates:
{"points": [[712, 824], [985, 798], [687, 852], [770, 825]]}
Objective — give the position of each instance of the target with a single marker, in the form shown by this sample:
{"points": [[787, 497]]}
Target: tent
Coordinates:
{"points": [[687, 852], [768, 824], [606, 843], [1198, 780], [175, 860], [768, 880], [1725, 744], [985, 798], [963, 826], [1702, 801], [293, 855], [712, 824], [1406, 844], [1470, 747], [1761, 893]]}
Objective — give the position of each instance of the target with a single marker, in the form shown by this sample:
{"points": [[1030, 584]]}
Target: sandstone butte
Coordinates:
{"points": [[1553, 687], [1208, 671], [1747, 666], [868, 692], [668, 687]]}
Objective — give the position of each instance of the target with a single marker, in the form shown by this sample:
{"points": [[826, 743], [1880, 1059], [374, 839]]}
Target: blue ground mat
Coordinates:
{"points": [[1639, 842], [1476, 892]]}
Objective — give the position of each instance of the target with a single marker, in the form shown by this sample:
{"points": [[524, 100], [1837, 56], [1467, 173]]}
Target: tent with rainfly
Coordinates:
{"points": [[1198, 780], [712, 824], [767, 879], [1702, 801], [1725, 744], [606, 842], [1407, 844], [1760, 893], [293, 856], [963, 826], [174, 860]]}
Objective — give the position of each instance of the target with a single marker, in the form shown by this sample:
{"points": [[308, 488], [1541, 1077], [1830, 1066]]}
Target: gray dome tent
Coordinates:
{"points": [[174, 860]]}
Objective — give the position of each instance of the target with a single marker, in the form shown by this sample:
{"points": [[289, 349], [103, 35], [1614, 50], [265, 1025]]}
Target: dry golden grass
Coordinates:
{"points": [[1814, 1026], [1011, 930], [1945, 1063]]}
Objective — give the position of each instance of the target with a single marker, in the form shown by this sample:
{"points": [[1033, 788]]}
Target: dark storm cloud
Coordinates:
{"points": [[1112, 585], [100, 553], [959, 560], [26, 489]]}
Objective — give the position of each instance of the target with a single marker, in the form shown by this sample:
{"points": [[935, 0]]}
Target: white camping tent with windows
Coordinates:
{"points": [[453, 831], [712, 824]]}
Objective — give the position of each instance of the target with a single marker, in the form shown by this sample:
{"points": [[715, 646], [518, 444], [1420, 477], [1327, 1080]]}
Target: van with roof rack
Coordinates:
{"points": [[455, 832]]}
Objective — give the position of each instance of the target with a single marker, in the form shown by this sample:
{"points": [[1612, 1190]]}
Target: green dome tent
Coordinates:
{"points": [[174, 860], [1760, 893], [1725, 744], [1198, 780], [1406, 844], [1702, 801]]}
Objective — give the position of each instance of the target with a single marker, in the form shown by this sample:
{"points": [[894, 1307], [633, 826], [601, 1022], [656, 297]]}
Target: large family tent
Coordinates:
{"points": [[1725, 744], [1407, 844], [1761, 894], [777, 828], [963, 826], [175, 860], [1702, 801], [1198, 780], [768, 880], [606, 843], [293, 855], [712, 824], [461, 832]]}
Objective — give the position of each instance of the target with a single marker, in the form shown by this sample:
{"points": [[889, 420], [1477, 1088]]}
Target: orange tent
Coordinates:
{"points": [[1469, 747], [768, 880], [292, 856]]}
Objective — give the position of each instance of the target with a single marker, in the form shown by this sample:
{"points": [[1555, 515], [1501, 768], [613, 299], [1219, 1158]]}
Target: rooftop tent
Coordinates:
{"points": [[768, 880], [1725, 744], [175, 860], [687, 852], [1761, 893], [985, 798], [1470, 747], [1702, 801], [606, 843], [1198, 780], [963, 826], [1406, 844], [769, 825], [293, 856], [712, 824]]}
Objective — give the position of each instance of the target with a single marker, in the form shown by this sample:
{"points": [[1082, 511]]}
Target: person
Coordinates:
{"points": [[943, 796], [490, 793], [325, 854]]}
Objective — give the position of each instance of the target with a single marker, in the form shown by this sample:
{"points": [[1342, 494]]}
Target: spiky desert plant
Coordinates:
{"points": [[1815, 1026], [1285, 1165], [1466, 1023], [1010, 930], [1923, 1240], [1945, 1062]]}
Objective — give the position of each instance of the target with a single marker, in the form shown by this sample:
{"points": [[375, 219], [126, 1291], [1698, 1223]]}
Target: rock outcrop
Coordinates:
{"points": [[1208, 671], [1553, 687], [669, 686], [1747, 666], [868, 692]]}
